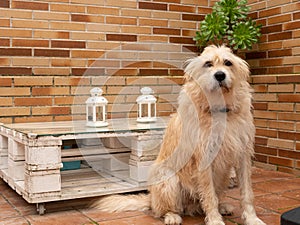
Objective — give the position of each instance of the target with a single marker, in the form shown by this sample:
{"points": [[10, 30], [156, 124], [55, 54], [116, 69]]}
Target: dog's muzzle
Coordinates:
{"points": [[220, 77]]}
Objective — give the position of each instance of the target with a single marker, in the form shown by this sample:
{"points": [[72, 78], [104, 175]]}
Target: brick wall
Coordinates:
{"points": [[279, 49], [53, 52], [277, 119]]}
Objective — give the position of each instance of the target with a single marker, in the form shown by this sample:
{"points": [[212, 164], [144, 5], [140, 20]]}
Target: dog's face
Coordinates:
{"points": [[217, 68]]}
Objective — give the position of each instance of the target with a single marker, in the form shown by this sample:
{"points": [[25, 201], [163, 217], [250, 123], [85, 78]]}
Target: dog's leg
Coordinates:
{"points": [[210, 201], [244, 176], [166, 199]]}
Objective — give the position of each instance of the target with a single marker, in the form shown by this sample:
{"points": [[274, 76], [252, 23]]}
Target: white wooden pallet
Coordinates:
{"points": [[31, 157]]}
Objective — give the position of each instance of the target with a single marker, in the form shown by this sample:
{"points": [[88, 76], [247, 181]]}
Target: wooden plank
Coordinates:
{"points": [[86, 151]]}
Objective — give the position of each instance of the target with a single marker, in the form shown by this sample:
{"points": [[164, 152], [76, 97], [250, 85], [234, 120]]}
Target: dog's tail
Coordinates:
{"points": [[122, 203]]}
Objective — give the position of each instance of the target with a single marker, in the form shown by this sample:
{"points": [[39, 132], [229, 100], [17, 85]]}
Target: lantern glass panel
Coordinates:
{"points": [[153, 110], [99, 114], [144, 110], [90, 113]]}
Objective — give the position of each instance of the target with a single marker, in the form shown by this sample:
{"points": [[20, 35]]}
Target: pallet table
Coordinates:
{"points": [[113, 159]]}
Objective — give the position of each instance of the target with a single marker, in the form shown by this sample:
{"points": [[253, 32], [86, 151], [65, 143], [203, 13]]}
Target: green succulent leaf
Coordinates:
{"points": [[212, 28], [228, 23]]}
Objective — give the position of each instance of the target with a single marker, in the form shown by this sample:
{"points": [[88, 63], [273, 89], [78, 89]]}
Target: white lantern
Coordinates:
{"points": [[96, 109], [146, 106]]}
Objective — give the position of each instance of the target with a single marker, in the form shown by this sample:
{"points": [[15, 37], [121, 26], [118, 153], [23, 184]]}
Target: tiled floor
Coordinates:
{"points": [[275, 193]]}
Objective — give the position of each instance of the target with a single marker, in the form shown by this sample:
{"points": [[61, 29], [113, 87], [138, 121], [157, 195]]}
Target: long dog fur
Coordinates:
{"points": [[211, 133]]}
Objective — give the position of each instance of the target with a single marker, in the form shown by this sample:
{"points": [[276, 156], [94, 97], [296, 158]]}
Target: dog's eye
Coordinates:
{"points": [[227, 63], [208, 64]]}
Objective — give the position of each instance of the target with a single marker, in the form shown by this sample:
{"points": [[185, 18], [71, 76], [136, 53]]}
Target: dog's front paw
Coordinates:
{"points": [[172, 219], [226, 209], [254, 221]]}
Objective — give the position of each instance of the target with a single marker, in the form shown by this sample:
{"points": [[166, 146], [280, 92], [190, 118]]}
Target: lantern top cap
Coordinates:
{"points": [[96, 97], [96, 91], [146, 91], [146, 96]]}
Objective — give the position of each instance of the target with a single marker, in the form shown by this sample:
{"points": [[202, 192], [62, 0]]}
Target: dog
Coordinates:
{"points": [[211, 133]]}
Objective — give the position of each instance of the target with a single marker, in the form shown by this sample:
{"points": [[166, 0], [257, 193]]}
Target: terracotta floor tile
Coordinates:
{"points": [[136, 220], [99, 216], [276, 203], [294, 194], [259, 175], [278, 186], [271, 218], [193, 220], [2, 200], [14, 221], [70, 217], [6, 211]]}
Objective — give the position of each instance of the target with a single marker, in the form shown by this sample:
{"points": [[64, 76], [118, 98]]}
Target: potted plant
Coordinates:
{"points": [[228, 24]]}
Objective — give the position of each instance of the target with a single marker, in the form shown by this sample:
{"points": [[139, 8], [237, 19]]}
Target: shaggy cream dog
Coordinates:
{"points": [[211, 132]]}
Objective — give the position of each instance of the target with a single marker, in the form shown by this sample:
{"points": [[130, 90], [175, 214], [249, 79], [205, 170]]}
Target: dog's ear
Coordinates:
{"points": [[191, 68]]}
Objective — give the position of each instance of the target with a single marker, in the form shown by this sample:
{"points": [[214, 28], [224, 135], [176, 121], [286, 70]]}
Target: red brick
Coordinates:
{"points": [[289, 135], [270, 12], [121, 20], [30, 43], [153, 6], [68, 44], [182, 8], [280, 70], [51, 34], [271, 29], [15, 71], [260, 158], [40, 91], [260, 106], [121, 37], [30, 5], [182, 40], [16, 91], [289, 116], [153, 72], [280, 36], [6, 101], [51, 53], [279, 19], [266, 132], [15, 51], [5, 82], [32, 101], [291, 25], [256, 55], [296, 16], [4, 42], [33, 81], [4, 22], [289, 98], [271, 62], [260, 141], [80, 18], [4, 4], [167, 31], [87, 71], [279, 53], [281, 161], [193, 17], [55, 110], [265, 150]]}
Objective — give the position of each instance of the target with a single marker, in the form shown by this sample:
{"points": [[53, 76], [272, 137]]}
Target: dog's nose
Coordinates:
{"points": [[220, 76]]}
